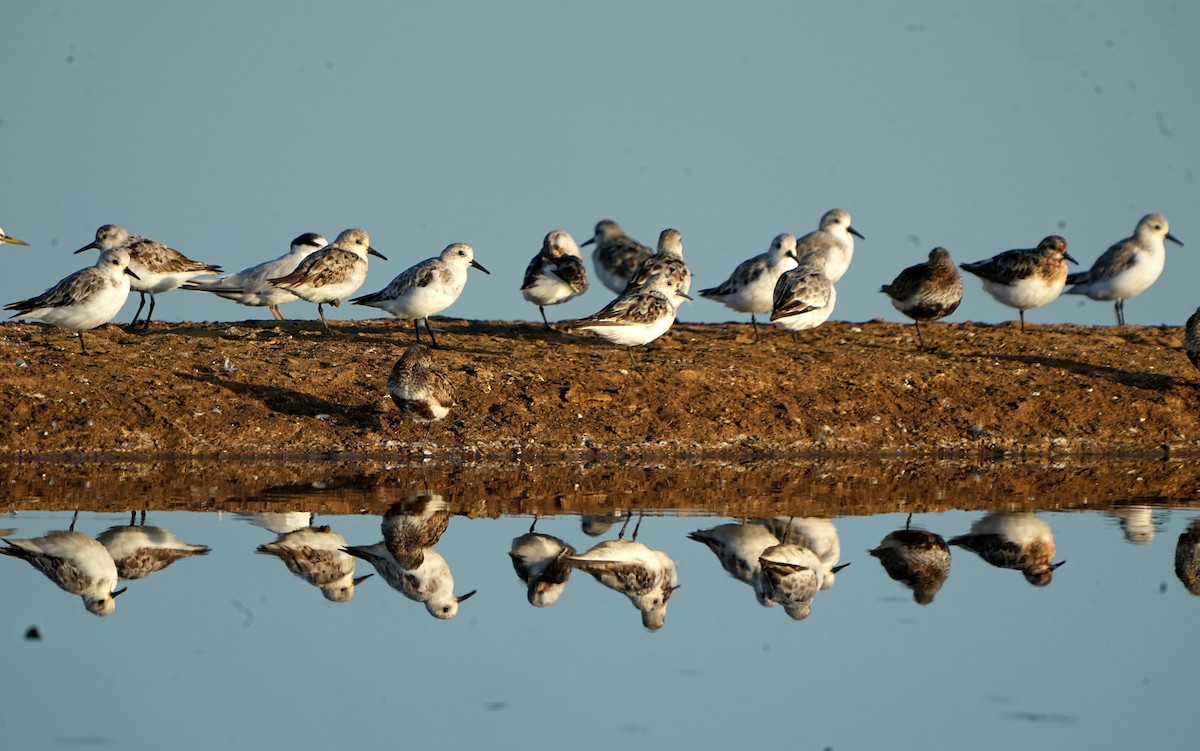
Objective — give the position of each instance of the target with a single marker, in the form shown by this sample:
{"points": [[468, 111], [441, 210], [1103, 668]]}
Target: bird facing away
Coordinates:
{"points": [[638, 316], [542, 563], [927, 291], [917, 559], [1191, 338], [427, 288], [158, 268], [250, 286], [84, 300], [333, 272], [1129, 267], [804, 297], [138, 550], [836, 238], [419, 391], [751, 286], [75, 562], [5, 238], [1025, 278], [617, 255], [666, 261], [1021, 541], [556, 274]]}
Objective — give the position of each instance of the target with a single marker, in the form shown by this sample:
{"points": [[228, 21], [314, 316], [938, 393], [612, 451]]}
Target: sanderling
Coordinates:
{"points": [[927, 291], [84, 300], [158, 268], [1137, 523], [617, 255], [644, 575], [751, 286], [317, 555], [427, 288], [594, 525], [817, 535], [667, 261], [250, 286], [4, 238], [419, 391], [1026, 278], [75, 562], [1126, 269], [431, 583], [1191, 338], [738, 547], [917, 559], [791, 577], [1020, 541], [415, 525], [836, 238], [556, 274], [333, 272], [638, 316], [804, 297], [138, 550], [1187, 558], [279, 522], [542, 564]]}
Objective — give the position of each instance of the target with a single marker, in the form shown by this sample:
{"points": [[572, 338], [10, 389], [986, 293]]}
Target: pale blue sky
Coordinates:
{"points": [[225, 129]]}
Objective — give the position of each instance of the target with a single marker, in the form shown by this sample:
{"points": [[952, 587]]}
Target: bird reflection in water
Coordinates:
{"points": [[1137, 523], [646, 576], [818, 535], [316, 555], [405, 558], [1016, 540], [1187, 557], [138, 550], [792, 572], [75, 562], [916, 558], [542, 563]]}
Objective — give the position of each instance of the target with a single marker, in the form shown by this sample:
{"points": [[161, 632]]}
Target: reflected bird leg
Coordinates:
{"points": [[534, 524], [637, 526], [74, 518], [621, 534]]}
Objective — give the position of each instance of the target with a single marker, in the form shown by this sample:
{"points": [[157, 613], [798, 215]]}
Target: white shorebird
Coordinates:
{"points": [[927, 291], [542, 563], [332, 273], [617, 255], [279, 522], [157, 267], [75, 562], [1025, 278], [667, 261], [638, 316], [250, 286], [1127, 268], [556, 274], [421, 392], [917, 559], [427, 288], [430, 583], [317, 555], [5, 238], [791, 577], [738, 547], [836, 238], [138, 550], [1021, 541], [646, 576], [751, 286], [84, 300], [805, 296], [817, 535]]}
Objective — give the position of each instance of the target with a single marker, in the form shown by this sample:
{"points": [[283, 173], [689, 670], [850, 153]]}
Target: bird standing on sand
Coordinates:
{"points": [[84, 300], [617, 255], [427, 288], [157, 268], [1025, 278], [804, 297], [1129, 267], [751, 286], [556, 274], [332, 273], [835, 237], [666, 261], [419, 391], [251, 287], [639, 316], [927, 291]]}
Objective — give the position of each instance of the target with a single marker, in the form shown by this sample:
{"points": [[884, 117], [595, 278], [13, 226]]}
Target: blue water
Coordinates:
{"points": [[232, 650]]}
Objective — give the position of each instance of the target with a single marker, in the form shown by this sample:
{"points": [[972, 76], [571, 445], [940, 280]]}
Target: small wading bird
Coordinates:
{"points": [[251, 287], [927, 291], [1025, 278], [556, 274], [617, 255], [157, 267], [751, 286], [333, 272], [84, 300]]}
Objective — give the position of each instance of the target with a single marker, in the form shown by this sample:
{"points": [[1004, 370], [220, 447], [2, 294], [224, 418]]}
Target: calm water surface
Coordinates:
{"points": [[231, 649]]}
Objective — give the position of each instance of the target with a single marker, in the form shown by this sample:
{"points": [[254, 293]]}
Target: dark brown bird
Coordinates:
{"points": [[927, 291]]}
